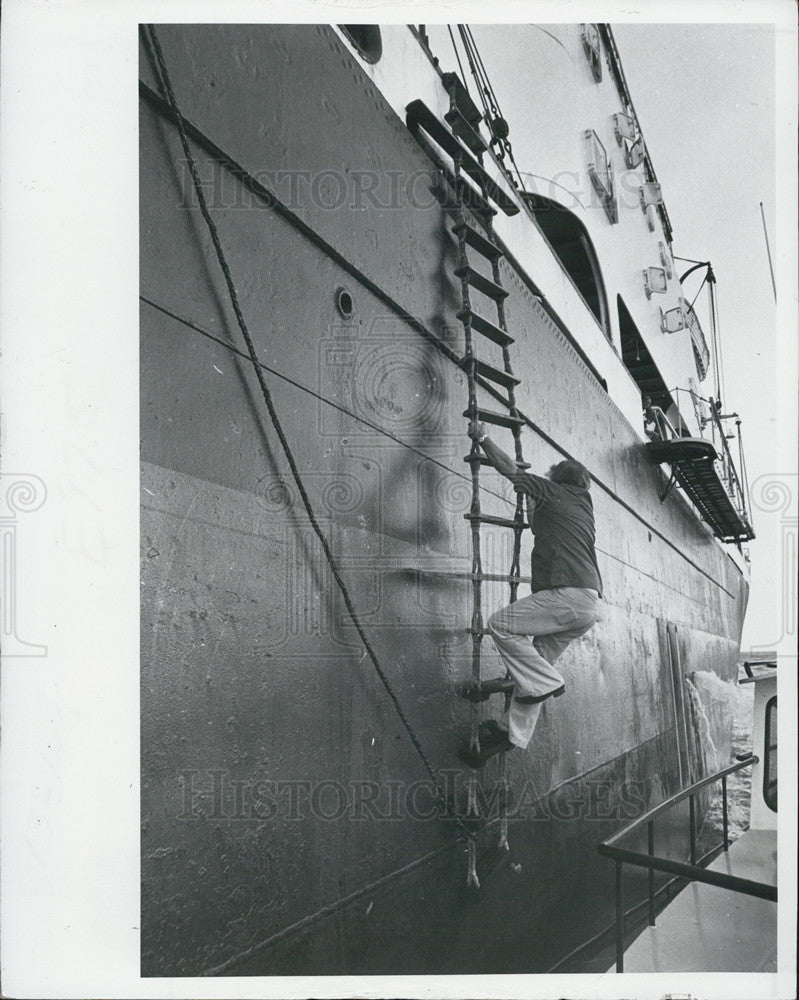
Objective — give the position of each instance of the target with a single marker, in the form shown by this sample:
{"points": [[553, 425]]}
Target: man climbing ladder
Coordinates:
{"points": [[531, 633]]}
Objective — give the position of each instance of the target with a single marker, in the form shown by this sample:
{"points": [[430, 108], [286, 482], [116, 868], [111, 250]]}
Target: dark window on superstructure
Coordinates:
{"points": [[572, 245], [770, 756], [639, 362]]}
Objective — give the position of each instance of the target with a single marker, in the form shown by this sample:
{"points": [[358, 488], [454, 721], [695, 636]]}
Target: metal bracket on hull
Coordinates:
{"points": [[669, 486]]}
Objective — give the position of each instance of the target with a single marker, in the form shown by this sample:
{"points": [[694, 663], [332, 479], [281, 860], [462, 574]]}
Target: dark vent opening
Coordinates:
{"points": [[639, 361]]}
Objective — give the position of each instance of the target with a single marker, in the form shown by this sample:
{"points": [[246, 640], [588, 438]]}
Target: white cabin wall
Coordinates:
{"points": [[547, 133]]}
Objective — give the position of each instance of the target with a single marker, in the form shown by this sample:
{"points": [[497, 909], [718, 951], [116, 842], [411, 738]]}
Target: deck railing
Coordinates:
{"points": [[734, 479], [694, 871], [736, 489]]}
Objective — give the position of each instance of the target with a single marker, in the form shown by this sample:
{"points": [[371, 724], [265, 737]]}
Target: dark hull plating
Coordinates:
{"points": [[251, 671]]}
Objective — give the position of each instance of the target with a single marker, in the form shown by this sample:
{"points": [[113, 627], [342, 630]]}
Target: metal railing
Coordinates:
{"points": [[693, 871], [748, 664], [661, 425], [734, 483]]}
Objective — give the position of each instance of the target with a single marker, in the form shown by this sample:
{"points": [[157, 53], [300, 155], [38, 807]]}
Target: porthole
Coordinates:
{"points": [[344, 303], [366, 40]]}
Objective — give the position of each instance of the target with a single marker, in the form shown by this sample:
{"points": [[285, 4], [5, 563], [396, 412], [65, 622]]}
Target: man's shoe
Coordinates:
{"points": [[491, 732], [488, 750], [483, 690], [534, 699]]}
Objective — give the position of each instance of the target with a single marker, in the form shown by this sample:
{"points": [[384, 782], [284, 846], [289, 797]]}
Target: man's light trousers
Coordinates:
{"points": [[530, 635]]}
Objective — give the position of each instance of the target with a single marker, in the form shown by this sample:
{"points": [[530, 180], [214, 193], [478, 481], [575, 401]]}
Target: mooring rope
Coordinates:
{"points": [[170, 95]]}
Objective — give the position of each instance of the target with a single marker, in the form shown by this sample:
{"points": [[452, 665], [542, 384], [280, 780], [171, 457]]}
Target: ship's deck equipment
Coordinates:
{"points": [[709, 479], [693, 467], [708, 929], [763, 810], [726, 920], [419, 116]]}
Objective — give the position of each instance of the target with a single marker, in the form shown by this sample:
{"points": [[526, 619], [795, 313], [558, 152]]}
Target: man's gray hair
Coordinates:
{"points": [[570, 473]]}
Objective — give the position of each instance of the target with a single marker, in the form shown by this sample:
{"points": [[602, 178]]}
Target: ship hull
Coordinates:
{"points": [[288, 824]]}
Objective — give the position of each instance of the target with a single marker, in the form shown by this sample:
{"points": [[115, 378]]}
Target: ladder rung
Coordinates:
{"points": [[443, 574], [417, 113], [481, 283], [502, 522], [483, 460], [476, 202], [483, 577], [488, 371], [464, 131], [465, 195], [477, 241], [488, 329], [484, 690], [462, 99], [492, 417], [498, 578]]}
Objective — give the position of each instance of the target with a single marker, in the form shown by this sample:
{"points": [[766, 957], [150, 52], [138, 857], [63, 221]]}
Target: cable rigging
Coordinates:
{"points": [[497, 124], [710, 279], [721, 391], [768, 251], [457, 56]]}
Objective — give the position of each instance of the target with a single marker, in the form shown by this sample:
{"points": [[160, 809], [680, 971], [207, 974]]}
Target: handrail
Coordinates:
{"points": [[730, 464], [734, 481], [748, 664], [621, 856], [661, 422], [673, 800], [721, 879]]}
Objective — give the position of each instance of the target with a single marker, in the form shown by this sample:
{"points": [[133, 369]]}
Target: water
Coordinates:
{"points": [[730, 706], [720, 724], [704, 755]]}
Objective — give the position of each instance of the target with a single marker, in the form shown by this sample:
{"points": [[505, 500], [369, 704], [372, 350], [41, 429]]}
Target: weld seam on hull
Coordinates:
{"points": [[272, 201], [311, 392], [327, 910], [331, 908], [533, 426]]}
